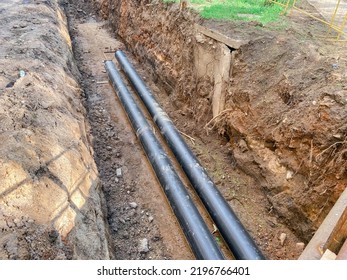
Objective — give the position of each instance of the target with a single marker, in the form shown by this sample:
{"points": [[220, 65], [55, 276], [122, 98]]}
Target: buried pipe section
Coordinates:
{"points": [[198, 235], [228, 224]]}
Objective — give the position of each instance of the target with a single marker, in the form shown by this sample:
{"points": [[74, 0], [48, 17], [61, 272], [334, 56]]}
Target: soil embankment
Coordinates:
{"points": [[50, 202]]}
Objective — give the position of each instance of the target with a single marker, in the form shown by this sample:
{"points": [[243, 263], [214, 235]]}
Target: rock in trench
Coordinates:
{"points": [[143, 246]]}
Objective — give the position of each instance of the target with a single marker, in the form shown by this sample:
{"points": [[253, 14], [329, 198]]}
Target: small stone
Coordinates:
{"points": [[116, 180], [109, 148], [283, 237], [150, 219], [133, 205], [338, 136], [119, 172], [53, 235], [10, 84], [143, 246], [22, 73], [300, 246], [289, 174]]}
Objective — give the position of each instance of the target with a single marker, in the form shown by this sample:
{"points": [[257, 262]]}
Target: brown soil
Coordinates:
{"points": [[50, 205], [276, 152]]}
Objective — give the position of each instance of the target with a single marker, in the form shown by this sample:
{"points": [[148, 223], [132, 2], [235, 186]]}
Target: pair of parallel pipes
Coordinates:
{"points": [[197, 233]]}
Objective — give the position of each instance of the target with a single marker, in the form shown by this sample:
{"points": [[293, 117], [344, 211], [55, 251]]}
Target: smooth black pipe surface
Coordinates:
{"points": [[228, 224], [198, 235]]}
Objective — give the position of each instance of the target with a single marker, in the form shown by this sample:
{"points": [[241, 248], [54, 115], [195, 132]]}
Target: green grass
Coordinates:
{"points": [[241, 10]]}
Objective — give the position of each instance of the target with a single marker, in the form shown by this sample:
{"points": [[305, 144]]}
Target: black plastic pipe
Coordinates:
{"points": [[198, 235], [228, 224]]}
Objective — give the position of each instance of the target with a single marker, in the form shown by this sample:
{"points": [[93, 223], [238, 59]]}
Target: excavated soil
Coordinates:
{"points": [[50, 200]]}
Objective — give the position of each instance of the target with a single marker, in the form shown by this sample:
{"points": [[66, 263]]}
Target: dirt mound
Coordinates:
{"points": [[50, 206]]}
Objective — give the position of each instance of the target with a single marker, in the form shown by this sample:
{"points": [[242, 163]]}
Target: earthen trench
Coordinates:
{"points": [[199, 63]]}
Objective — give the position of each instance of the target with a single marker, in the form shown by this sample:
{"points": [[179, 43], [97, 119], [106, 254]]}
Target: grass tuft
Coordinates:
{"points": [[241, 10]]}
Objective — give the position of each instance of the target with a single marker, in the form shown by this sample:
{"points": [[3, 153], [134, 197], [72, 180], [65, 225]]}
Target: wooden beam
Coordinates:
{"points": [[333, 226], [233, 43]]}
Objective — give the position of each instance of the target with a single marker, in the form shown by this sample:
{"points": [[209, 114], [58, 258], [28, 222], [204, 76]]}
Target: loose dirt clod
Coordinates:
{"points": [[283, 238], [133, 205], [300, 246]]}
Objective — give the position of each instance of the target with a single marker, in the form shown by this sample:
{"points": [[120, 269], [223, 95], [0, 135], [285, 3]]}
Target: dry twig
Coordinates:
{"points": [[189, 137], [216, 117]]}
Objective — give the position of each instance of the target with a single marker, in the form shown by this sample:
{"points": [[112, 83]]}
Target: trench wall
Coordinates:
{"points": [[50, 203]]}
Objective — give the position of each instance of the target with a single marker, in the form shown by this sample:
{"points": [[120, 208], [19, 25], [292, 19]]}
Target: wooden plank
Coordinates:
{"points": [[221, 79], [233, 43], [332, 223], [339, 234], [342, 255]]}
